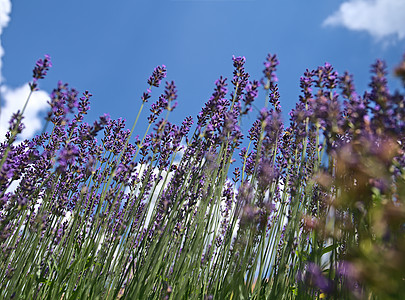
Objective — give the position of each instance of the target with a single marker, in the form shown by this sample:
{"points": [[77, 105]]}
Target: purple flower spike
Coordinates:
{"points": [[158, 74], [63, 101], [269, 72], [40, 70], [215, 103], [238, 62], [84, 104], [145, 96], [240, 77], [330, 76], [250, 95], [170, 91], [157, 108]]}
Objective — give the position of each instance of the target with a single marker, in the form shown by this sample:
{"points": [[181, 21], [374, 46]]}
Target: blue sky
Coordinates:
{"points": [[111, 47]]}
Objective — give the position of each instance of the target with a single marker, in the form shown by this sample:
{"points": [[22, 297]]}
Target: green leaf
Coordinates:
{"points": [[329, 248]]}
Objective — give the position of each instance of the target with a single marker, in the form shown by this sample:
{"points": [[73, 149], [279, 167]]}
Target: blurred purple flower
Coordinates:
{"points": [[313, 276], [67, 157], [269, 71]]}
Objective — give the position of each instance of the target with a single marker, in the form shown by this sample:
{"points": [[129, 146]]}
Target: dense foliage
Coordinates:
{"points": [[310, 210]]}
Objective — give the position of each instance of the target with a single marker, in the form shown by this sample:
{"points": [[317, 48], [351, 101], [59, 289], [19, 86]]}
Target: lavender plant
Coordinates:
{"points": [[313, 209]]}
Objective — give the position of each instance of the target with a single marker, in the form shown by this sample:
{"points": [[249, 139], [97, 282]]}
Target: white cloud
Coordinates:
{"points": [[5, 10], [13, 99], [380, 18]]}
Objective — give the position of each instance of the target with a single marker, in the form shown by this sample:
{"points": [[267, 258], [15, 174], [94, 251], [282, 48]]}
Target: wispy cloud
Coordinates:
{"points": [[13, 99], [380, 18]]}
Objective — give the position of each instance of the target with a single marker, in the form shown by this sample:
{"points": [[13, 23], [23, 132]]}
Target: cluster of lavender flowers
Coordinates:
{"points": [[313, 209]]}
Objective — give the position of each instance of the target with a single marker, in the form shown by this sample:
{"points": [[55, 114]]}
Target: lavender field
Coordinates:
{"points": [[308, 208]]}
